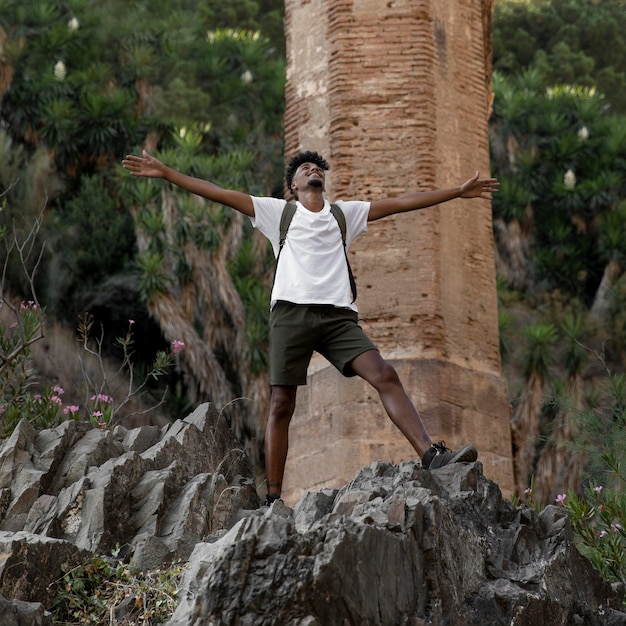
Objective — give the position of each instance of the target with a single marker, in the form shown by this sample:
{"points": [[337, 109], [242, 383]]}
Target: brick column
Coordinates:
{"points": [[396, 96]]}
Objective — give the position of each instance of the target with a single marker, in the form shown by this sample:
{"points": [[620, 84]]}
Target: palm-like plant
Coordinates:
{"points": [[188, 246], [525, 421], [612, 247], [561, 463], [573, 171]]}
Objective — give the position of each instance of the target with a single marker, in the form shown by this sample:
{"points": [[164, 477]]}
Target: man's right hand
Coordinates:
{"points": [[145, 165]]}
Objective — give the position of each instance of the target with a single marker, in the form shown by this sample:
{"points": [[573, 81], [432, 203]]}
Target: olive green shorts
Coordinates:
{"points": [[297, 330]]}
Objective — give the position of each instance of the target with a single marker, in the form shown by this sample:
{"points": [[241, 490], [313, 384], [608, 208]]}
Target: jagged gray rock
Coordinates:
{"points": [[397, 546], [29, 563], [74, 490], [18, 613]]}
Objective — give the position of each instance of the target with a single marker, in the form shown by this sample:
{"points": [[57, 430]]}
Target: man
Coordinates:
{"points": [[312, 304]]}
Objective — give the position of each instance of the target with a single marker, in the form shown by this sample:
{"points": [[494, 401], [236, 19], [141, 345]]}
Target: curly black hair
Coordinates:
{"points": [[303, 157]]}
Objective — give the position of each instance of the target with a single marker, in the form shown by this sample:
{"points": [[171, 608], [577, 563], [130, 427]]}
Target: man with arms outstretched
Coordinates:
{"points": [[312, 304]]}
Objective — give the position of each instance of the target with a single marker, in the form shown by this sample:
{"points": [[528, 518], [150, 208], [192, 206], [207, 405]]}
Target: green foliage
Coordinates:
{"points": [[598, 519], [573, 330], [248, 271], [23, 396], [93, 239], [569, 41], [16, 339], [89, 82], [601, 428], [538, 355], [264, 15], [205, 226], [89, 592], [612, 235], [615, 324], [597, 508], [563, 177]]}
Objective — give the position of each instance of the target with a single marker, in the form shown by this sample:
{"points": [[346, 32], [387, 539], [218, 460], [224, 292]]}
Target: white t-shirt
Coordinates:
{"points": [[312, 268]]}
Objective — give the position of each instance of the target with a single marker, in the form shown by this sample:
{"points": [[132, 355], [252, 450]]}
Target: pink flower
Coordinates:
{"points": [[560, 499], [131, 322], [528, 491], [97, 414], [72, 408], [56, 400], [58, 390], [177, 346], [598, 489], [102, 397], [13, 325], [602, 534]]}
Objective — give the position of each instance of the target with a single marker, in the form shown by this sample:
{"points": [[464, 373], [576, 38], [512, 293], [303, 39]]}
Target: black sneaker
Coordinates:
{"points": [[270, 499], [438, 455]]}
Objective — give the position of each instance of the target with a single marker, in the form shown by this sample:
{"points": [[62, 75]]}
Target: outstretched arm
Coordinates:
{"points": [[149, 167], [475, 187]]}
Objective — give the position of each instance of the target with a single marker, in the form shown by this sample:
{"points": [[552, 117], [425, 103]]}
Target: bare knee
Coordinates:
{"points": [[282, 403], [386, 377]]}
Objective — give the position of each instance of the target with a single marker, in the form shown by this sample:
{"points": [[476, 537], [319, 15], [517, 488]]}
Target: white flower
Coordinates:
{"points": [[583, 133], [569, 179], [60, 71], [246, 77], [73, 24]]}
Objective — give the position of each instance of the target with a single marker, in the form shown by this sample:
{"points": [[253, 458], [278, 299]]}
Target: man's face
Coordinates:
{"points": [[308, 175]]}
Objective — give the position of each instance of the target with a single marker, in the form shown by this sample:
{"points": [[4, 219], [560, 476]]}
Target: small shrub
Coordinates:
{"points": [[94, 591], [599, 520], [23, 397]]}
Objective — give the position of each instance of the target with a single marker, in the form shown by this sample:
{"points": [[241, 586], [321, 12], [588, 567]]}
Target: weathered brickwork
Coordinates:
{"points": [[396, 95]]}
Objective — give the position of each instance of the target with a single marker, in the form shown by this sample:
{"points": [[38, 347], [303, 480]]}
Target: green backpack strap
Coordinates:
{"points": [[285, 221]]}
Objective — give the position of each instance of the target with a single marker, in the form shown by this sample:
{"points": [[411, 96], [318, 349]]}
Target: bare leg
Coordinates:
{"points": [[282, 406], [383, 377]]}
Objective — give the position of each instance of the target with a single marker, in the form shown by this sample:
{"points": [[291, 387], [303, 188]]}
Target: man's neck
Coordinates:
{"points": [[311, 199]]}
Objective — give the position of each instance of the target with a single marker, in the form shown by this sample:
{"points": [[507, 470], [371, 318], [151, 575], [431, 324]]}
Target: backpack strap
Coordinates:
{"points": [[285, 221], [289, 210], [341, 220]]}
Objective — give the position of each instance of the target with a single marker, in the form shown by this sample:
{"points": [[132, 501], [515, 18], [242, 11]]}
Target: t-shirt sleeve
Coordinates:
{"points": [[356, 213], [267, 212]]}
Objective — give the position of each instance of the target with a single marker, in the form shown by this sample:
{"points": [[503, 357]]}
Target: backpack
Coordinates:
{"points": [[285, 221]]}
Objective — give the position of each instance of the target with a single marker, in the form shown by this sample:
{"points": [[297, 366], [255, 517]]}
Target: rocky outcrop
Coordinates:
{"points": [[398, 545], [98, 489], [150, 492]]}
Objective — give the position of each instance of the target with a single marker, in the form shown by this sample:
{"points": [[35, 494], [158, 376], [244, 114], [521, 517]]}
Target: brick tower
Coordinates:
{"points": [[396, 95]]}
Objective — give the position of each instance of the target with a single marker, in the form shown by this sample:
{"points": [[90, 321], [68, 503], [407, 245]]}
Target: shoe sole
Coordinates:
{"points": [[468, 454]]}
